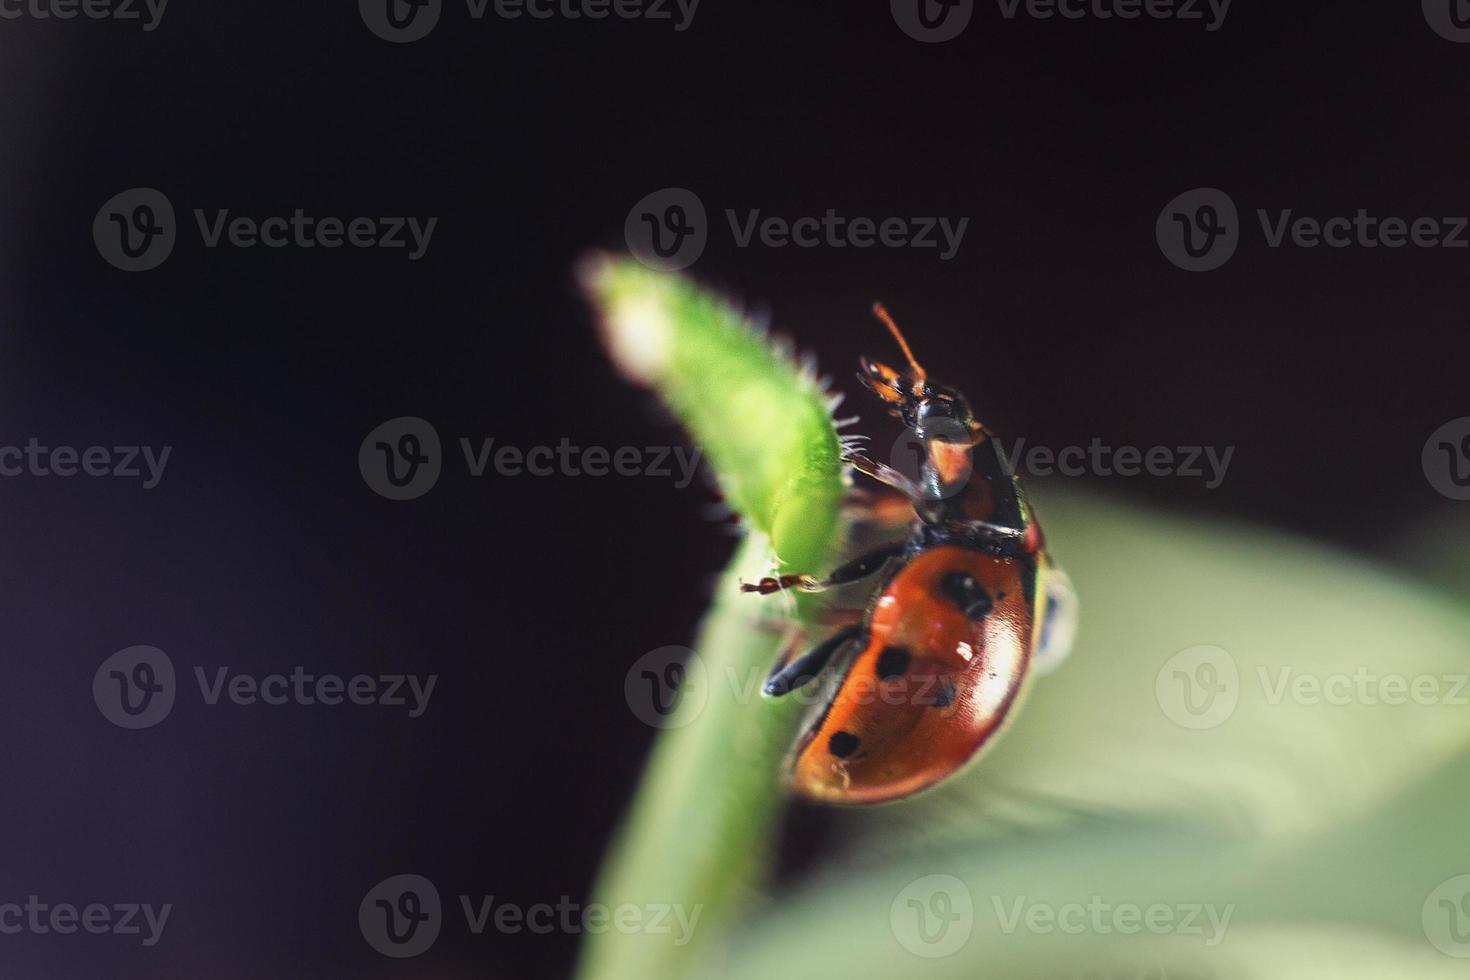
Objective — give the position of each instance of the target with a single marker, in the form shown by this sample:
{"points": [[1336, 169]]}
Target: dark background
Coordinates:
{"points": [[263, 549]]}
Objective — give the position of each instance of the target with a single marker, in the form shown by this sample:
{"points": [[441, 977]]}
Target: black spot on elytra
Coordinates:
{"points": [[893, 663], [944, 695], [843, 744], [962, 589]]}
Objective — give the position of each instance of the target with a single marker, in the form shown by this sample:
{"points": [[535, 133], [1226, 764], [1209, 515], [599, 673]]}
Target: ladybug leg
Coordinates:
{"points": [[885, 474], [827, 619], [878, 512], [836, 617], [787, 677], [860, 567]]}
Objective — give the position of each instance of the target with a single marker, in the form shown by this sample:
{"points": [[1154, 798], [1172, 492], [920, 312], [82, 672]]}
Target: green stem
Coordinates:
{"points": [[699, 832], [698, 835]]}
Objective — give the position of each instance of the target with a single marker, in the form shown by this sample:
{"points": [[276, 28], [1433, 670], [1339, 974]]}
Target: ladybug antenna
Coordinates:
{"points": [[919, 374]]}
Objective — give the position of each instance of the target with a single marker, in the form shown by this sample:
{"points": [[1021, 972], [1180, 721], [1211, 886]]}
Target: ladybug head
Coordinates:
{"points": [[932, 410]]}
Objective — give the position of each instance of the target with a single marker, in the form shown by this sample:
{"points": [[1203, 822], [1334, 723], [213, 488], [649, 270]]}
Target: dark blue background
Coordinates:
{"points": [[263, 549]]}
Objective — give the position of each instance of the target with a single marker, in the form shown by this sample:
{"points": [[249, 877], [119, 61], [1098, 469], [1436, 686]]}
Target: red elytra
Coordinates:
{"points": [[966, 608]]}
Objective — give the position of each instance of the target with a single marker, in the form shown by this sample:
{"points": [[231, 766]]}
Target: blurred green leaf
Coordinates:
{"points": [[1333, 833], [1258, 617]]}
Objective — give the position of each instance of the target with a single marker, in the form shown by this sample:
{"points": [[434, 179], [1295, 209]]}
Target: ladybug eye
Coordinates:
{"points": [[883, 381], [880, 372]]}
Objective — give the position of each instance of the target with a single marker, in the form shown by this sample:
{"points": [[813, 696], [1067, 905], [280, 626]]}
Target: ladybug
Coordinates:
{"points": [[967, 608]]}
